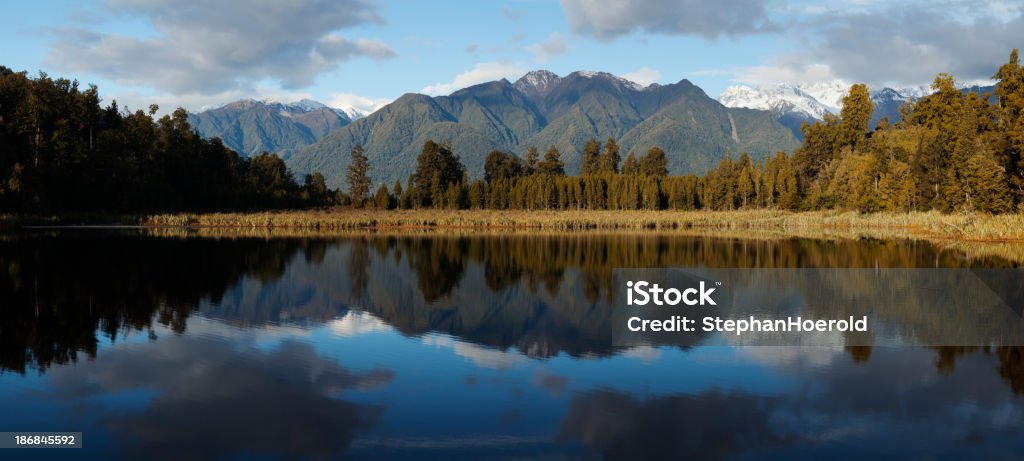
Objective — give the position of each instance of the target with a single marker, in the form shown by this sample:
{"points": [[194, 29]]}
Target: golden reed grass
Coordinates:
{"points": [[928, 225]]}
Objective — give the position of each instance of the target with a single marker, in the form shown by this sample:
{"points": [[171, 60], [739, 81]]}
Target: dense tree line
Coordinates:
{"points": [[60, 151], [951, 151], [532, 182]]}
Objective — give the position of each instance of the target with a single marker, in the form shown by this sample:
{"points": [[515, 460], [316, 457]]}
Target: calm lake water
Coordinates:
{"points": [[469, 347]]}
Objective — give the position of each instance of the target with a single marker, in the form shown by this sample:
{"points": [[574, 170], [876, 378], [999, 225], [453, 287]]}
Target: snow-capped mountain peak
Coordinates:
{"points": [[805, 102], [813, 99], [830, 94], [540, 82], [622, 83], [920, 91], [780, 99], [540, 79], [305, 106], [537, 82], [889, 94]]}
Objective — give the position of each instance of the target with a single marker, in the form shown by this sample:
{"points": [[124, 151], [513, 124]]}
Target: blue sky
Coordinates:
{"points": [[363, 53]]}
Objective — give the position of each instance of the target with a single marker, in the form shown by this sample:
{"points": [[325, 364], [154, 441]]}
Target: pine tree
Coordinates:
{"points": [[272, 181], [342, 199], [382, 199], [609, 162], [789, 194], [957, 184], [438, 188], [630, 166], [986, 188], [1010, 87], [406, 200], [654, 163], [820, 146], [532, 157], [897, 187], [942, 109], [652, 195], [855, 116], [437, 167], [590, 162], [315, 188], [477, 194], [552, 164], [853, 184], [721, 184], [1010, 111], [358, 179], [455, 197], [745, 187], [499, 165], [930, 170]]}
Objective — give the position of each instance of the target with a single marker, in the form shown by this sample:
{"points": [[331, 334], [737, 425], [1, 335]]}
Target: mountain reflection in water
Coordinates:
{"points": [[459, 347]]}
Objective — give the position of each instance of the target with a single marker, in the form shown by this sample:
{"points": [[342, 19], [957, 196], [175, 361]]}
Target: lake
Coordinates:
{"points": [[168, 345]]}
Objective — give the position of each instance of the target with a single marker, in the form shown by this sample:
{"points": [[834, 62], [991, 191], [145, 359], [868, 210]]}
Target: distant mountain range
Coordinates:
{"points": [[795, 104], [250, 127], [542, 109]]}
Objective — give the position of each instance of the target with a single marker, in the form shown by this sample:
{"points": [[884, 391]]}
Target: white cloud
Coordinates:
{"points": [[480, 356], [482, 72], [768, 75], [904, 44], [644, 76], [874, 42], [214, 47], [1005, 9], [552, 46], [609, 19], [786, 356], [888, 44]]}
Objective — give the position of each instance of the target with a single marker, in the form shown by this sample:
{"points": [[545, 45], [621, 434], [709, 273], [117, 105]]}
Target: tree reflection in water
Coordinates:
{"points": [[541, 294]]}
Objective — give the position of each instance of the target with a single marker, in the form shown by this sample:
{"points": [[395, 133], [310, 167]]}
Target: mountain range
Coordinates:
{"points": [[250, 127], [539, 110], [543, 109]]}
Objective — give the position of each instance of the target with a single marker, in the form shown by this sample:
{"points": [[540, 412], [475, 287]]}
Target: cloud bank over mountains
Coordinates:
{"points": [[195, 53], [212, 47], [895, 43]]}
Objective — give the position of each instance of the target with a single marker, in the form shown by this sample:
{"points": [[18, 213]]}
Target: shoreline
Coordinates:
{"points": [[971, 235], [967, 227], [977, 227]]}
